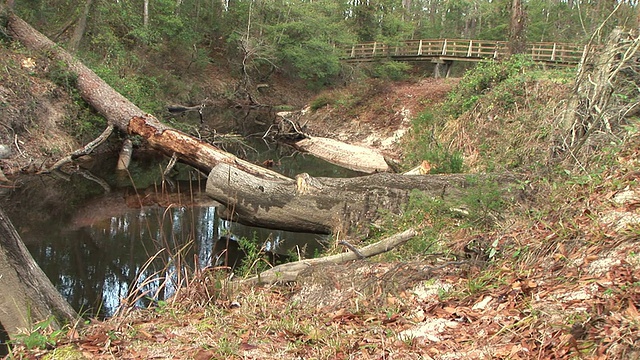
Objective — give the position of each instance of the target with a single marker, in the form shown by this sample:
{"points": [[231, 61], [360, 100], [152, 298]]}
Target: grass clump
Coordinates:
{"points": [[500, 116], [426, 147], [41, 336]]}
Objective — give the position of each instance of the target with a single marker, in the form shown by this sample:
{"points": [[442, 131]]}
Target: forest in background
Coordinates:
{"points": [[551, 276], [152, 51]]}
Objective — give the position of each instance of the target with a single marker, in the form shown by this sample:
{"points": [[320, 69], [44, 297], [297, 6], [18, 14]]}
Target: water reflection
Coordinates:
{"points": [[96, 266], [94, 245]]}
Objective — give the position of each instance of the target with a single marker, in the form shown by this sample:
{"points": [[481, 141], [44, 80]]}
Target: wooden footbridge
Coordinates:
{"points": [[446, 51]]}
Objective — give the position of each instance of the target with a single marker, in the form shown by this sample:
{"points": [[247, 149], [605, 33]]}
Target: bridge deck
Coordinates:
{"points": [[462, 50]]}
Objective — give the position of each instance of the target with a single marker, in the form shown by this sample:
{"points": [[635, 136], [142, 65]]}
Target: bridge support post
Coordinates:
{"points": [[442, 69]]}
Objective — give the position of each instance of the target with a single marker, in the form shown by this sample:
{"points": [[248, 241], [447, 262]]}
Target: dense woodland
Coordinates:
{"points": [[154, 44]]}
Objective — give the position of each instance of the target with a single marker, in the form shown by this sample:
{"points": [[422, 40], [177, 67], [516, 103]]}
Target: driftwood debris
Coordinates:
{"points": [[289, 272], [358, 158], [86, 150], [594, 107]]}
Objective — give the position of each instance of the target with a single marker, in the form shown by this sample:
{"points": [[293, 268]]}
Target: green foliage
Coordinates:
{"points": [[86, 124], [314, 61], [486, 76], [391, 70], [424, 146], [40, 336], [425, 212], [60, 74], [483, 202], [321, 101], [140, 89], [255, 258]]}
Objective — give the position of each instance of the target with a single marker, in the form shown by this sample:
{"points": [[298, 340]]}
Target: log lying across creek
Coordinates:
{"points": [[253, 195], [328, 205]]}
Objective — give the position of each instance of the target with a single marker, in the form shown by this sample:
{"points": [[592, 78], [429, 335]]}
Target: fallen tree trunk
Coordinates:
{"points": [[28, 297], [254, 195], [289, 272], [330, 205], [126, 116]]}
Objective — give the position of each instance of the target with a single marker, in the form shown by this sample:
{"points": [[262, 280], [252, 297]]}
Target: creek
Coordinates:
{"points": [[98, 240]]}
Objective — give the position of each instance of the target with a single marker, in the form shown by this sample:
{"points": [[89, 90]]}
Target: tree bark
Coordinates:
{"points": [[81, 27], [145, 14], [28, 296], [517, 40], [357, 158], [126, 116], [328, 205]]}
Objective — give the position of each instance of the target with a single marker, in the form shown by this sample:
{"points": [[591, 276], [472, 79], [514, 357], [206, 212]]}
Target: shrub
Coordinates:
{"points": [[486, 75], [391, 70]]}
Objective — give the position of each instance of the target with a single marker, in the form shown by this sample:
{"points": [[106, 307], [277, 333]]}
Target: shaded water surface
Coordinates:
{"points": [[94, 239]]}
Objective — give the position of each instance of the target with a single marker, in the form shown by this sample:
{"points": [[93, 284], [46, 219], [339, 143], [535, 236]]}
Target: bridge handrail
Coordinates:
{"points": [[463, 49]]}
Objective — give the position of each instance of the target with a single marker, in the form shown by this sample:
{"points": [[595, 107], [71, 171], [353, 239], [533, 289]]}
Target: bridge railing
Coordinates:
{"points": [[556, 52], [462, 49]]}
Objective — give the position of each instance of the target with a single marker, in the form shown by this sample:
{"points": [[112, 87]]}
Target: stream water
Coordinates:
{"points": [[94, 239]]}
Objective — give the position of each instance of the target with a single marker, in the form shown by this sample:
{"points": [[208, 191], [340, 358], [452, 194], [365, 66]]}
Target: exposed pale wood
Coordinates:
{"points": [[125, 115], [124, 159], [253, 195], [289, 272], [198, 153], [358, 158]]}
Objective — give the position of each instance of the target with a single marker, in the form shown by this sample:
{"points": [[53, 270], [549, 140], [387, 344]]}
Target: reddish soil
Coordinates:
{"points": [[379, 114]]}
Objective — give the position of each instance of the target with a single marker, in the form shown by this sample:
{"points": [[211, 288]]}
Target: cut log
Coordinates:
{"points": [[289, 272], [357, 158], [327, 205]]}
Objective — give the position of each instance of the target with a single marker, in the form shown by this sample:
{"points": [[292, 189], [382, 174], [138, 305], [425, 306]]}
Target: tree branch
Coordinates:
{"points": [[290, 271]]}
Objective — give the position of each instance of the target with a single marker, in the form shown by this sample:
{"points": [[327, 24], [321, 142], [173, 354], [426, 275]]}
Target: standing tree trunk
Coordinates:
{"points": [[28, 296], [145, 15], [517, 39], [81, 27]]}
